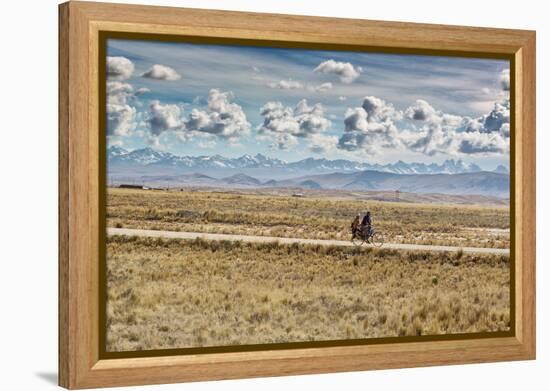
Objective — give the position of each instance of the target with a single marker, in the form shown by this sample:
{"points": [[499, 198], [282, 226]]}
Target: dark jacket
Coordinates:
{"points": [[366, 220]]}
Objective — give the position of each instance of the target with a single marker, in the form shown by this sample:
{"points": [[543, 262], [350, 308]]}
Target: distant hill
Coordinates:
{"points": [[479, 183], [242, 180], [309, 184], [501, 169]]}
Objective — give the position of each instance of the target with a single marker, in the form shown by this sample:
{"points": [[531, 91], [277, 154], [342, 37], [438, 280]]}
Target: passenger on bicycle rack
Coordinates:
{"points": [[355, 226]]}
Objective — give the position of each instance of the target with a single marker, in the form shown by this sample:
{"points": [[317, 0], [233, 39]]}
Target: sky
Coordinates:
{"points": [[197, 99]]}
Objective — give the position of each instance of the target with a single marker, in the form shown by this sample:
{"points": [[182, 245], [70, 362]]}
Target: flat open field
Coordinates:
{"points": [[177, 293], [312, 217]]}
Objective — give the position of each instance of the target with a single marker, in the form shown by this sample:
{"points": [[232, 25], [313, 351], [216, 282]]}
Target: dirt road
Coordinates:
{"points": [[246, 238]]}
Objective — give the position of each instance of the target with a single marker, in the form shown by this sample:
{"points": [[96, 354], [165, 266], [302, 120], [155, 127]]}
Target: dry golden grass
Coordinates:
{"points": [[313, 218], [174, 293]]}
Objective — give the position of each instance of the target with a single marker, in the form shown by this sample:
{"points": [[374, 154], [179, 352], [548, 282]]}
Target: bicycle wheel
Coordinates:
{"points": [[358, 241], [376, 240]]}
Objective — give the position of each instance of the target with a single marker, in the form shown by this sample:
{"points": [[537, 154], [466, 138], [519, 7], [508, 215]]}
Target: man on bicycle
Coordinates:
{"points": [[366, 225]]}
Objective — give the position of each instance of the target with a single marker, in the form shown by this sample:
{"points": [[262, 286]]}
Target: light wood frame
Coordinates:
{"points": [[79, 27]]}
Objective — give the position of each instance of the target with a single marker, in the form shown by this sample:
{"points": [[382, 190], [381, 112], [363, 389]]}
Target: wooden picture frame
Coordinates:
{"points": [[80, 27]]}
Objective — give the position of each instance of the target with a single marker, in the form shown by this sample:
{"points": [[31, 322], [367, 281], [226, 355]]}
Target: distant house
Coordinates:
{"points": [[130, 186], [299, 195]]}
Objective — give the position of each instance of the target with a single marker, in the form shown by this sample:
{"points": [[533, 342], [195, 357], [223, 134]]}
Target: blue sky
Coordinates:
{"points": [[291, 103]]}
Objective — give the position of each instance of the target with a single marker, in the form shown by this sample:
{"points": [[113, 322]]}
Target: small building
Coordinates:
{"points": [[298, 195], [131, 186]]}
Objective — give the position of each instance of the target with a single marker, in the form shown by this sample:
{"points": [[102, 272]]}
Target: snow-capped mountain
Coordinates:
{"points": [[142, 157], [153, 160], [258, 160], [150, 157], [449, 166], [115, 150]]}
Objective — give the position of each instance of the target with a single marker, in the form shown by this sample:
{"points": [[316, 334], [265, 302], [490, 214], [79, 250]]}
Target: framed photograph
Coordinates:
{"points": [[247, 195]]}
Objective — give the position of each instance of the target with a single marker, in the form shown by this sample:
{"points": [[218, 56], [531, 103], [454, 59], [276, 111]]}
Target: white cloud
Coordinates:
{"points": [[505, 130], [297, 85], [505, 80], [380, 111], [163, 117], [120, 114], [120, 120], [310, 118], [154, 141], [222, 117], [286, 124], [161, 72], [119, 92], [119, 68], [321, 143], [497, 120], [284, 141], [444, 133], [344, 70], [286, 85], [482, 106], [356, 119], [421, 111], [424, 112], [470, 125], [482, 143], [370, 127], [377, 125], [323, 87], [498, 116], [360, 134], [430, 140], [200, 100], [207, 143], [115, 142], [141, 91]]}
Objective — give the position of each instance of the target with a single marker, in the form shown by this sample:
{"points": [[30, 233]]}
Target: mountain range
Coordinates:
{"points": [[148, 160], [163, 169]]}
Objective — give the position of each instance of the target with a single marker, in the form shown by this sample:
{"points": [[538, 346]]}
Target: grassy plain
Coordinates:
{"points": [[309, 217], [173, 293]]}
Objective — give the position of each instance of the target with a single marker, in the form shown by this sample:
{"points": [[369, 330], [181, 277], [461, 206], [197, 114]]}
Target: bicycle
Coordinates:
{"points": [[374, 239]]}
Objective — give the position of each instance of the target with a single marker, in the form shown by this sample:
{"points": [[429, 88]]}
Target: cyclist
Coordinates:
{"points": [[367, 224]]}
